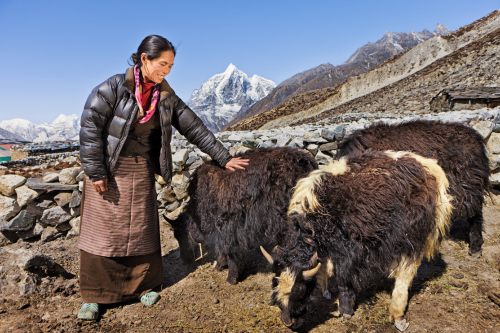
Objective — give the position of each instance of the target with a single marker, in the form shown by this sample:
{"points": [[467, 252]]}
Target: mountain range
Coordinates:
{"points": [[319, 92], [63, 128], [403, 84], [361, 61]]}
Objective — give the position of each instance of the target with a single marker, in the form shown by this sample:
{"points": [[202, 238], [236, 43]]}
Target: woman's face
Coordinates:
{"points": [[156, 69]]}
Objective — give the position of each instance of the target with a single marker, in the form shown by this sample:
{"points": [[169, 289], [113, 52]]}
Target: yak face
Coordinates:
{"points": [[292, 288], [291, 293]]}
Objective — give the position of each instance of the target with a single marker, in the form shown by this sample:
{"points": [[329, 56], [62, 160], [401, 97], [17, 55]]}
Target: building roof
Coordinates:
{"points": [[5, 152], [488, 94]]}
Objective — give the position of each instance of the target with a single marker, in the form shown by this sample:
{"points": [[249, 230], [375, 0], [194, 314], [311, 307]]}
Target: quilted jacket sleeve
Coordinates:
{"points": [[190, 126], [97, 111]]}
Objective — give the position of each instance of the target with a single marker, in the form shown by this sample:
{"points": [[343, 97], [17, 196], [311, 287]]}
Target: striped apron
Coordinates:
{"points": [[120, 255]]}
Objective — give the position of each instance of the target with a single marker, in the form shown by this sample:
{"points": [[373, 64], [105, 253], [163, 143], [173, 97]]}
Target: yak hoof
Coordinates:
{"points": [[327, 294], [336, 313], [476, 254], [346, 316], [401, 324], [232, 280]]}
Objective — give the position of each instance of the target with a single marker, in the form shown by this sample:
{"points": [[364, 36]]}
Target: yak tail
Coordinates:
{"points": [[303, 198], [444, 208]]}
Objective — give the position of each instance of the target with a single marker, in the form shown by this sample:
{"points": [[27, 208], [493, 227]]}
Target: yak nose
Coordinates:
{"points": [[285, 318]]}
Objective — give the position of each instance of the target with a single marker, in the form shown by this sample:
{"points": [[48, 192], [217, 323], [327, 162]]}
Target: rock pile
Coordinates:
{"points": [[48, 208]]}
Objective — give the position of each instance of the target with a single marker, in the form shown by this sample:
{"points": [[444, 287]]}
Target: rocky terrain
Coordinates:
{"points": [[39, 224], [402, 85], [325, 77]]}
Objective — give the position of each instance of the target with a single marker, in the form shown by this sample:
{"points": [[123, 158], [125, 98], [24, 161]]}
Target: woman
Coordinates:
{"points": [[126, 127]]}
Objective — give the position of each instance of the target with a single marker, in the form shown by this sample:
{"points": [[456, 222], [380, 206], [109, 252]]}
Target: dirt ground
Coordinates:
{"points": [[453, 293]]}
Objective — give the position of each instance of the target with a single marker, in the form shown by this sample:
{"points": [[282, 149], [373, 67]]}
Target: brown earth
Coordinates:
{"points": [[453, 293]]}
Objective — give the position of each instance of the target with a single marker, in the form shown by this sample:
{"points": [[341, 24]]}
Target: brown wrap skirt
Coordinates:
{"points": [[120, 256]]}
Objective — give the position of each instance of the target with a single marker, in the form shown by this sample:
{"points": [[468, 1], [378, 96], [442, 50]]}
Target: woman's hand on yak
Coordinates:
{"points": [[236, 163]]}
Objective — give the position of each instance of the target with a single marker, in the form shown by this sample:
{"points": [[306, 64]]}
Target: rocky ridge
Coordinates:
{"points": [[404, 84]]}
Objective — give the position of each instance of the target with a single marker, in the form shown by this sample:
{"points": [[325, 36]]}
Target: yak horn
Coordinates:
{"points": [[314, 259], [311, 273], [268, 257]]}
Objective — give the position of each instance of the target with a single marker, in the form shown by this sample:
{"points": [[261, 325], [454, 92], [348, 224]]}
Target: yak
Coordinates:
{"points": [[233, 212], [363, 218], [459, 150]]}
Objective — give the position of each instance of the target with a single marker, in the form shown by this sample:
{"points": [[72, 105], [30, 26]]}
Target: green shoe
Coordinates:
{"points": [[89, 311], [150, 298]]}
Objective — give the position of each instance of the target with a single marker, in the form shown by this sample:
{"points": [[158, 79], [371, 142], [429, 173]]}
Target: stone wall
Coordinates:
{"points": [[48, 207]]}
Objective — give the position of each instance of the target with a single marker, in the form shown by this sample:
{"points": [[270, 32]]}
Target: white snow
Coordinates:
{"points": [[223, 95], [63, 128]]}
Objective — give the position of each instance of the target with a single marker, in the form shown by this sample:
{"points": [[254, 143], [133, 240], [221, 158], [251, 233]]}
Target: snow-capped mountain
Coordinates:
{"points": [[9, 137], [63, 128], [391, 44], [225, 94], [362, 60]]}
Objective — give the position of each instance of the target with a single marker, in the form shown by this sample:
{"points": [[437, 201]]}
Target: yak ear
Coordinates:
{"points": [[268, 257], [309, 274]]}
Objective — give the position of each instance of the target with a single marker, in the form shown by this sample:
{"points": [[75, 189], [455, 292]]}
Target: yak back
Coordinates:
{"points": [[246, 208], [459, 150], [379, 210]]}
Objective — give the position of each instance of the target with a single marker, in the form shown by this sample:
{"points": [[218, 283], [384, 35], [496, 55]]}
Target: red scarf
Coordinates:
{"points": [[142, 93]]}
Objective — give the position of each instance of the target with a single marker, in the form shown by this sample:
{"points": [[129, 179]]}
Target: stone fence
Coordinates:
{"points": [[48, 207]]}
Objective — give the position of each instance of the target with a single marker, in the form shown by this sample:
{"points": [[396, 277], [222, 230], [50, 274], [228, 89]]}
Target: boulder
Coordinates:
{"points": [[493, 144], [51, 177], [68, 176], [37, 184], [23, 221], [54, 216], [75, 227], [76, 199], [25, 195], [484, 127], [9, 183], [63, 198], [8, 207]]}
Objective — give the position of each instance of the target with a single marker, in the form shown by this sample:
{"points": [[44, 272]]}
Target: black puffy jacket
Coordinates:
{"points": [[108, 114]]}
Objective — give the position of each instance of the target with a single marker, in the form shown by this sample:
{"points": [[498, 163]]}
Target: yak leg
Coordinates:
{"points": [[323, 277], [221, 262], [475, 234], [347, 300], [404, 274], [233, 273]]}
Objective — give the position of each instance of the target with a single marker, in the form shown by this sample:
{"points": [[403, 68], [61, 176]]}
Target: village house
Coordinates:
{"points": [[465, 99]]}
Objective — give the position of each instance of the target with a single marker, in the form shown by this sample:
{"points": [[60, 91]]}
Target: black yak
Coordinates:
{"points": [[232, 213], [363, 218], [458, 149]]}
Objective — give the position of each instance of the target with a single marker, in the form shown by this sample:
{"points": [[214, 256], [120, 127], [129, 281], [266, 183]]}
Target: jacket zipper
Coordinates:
{"points": [[121, 142]]}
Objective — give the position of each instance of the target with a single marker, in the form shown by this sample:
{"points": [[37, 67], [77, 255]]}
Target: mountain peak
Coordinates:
{"points": [[63, 128], [230, 69], [441, 30], [223, 95]]}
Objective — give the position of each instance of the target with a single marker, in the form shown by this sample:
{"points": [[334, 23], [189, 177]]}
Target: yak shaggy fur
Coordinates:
{"points": [[459, 150], [233, 213], [370, 215]]}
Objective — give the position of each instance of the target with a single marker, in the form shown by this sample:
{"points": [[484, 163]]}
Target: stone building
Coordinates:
{"points": [[465, 99]]}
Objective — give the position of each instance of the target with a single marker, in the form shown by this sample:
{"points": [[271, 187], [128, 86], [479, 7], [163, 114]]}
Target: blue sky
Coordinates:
{"points": [[53, 52]]}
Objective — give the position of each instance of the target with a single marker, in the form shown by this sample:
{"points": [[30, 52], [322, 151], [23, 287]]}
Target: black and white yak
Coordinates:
{"points": [[458, 149], [363, 218], [232, 213]]}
